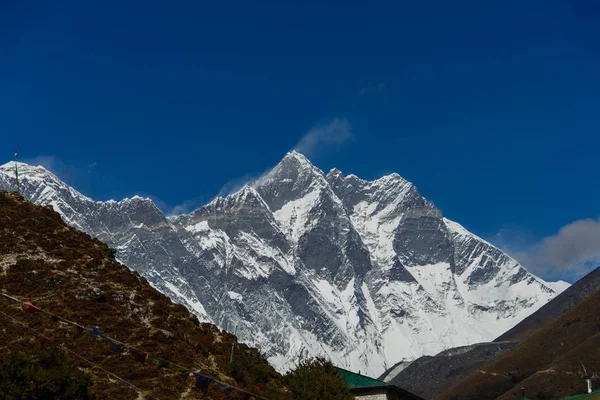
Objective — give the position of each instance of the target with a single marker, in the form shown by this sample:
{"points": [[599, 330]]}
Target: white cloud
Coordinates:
{"points": [[570, 253], [573, 246], [236, 184], [335, 133], [184, 208]]}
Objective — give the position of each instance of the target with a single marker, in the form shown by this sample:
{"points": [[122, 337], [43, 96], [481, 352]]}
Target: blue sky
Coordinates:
{"points": [[491, 110]]}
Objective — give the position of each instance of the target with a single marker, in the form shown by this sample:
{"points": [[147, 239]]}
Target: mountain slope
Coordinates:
{"points": [[547, 364], [303, 263], [562, 303], [428, 376], [66, 272]]}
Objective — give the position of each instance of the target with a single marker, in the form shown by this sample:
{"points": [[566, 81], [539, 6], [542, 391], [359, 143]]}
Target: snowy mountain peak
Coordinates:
{"points": [[29, 171], [299, 157], [305, 264], [335, 173]]}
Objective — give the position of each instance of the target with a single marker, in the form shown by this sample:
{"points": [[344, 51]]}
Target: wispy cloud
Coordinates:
{"points": [[333, 134], [569, 254], [184, 208], [236, 184], [51, 163], [67, 173]]}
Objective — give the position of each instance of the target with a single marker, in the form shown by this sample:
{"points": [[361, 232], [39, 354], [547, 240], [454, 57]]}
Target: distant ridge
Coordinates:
{"points": [[428, 376]]}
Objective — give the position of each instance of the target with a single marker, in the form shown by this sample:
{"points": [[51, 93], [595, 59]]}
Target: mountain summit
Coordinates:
{"points": [[302, 263]]}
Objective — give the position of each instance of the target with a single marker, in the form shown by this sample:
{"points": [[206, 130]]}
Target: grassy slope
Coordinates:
{"points": [[66, 272]]}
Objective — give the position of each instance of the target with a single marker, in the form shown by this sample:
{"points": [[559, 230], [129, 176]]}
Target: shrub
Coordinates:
{"points": [[42, 376]]}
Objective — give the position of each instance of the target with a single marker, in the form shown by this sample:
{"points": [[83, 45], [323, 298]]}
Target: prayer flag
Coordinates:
{"points": [[242, 395], [28, 307], [202, 382], [116, 346], [94, 331], [160, 363], [225, 388], [139, 356]]}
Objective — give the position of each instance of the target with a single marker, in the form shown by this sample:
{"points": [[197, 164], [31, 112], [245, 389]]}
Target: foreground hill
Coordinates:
{"points": [[66, 272], [547, 364], [303, 263], [429, 376]]}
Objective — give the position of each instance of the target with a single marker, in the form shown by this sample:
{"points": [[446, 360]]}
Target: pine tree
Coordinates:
{"points": [[317, 379]]}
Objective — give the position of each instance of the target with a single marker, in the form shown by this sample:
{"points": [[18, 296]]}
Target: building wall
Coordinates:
{"points": [[374, 395]]}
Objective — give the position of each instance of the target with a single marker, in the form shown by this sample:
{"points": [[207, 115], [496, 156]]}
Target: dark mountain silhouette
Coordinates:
{"points": [[431, 375]]}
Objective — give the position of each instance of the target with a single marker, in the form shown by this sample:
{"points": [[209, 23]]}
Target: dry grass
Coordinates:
{"points": [[68, 273]]}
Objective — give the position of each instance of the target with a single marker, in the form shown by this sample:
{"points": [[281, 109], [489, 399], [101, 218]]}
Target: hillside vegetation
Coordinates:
{"points": [[66, 272]]}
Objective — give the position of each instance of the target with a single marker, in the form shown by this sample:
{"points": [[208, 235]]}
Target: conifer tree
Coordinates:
{"points": [[317, 379]]}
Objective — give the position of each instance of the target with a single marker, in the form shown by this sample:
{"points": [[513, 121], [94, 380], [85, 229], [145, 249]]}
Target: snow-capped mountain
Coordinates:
{"points": [[302, 263]]}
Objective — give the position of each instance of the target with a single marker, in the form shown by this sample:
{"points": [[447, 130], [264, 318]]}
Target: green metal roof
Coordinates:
{"points": [[355, 380], [590, 396]]}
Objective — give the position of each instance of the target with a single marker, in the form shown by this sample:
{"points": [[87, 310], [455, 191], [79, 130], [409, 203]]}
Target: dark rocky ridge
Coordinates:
{"points": [[429, 376]]}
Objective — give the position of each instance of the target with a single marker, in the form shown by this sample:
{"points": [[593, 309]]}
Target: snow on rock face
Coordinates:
{"points": [[303, 264]]}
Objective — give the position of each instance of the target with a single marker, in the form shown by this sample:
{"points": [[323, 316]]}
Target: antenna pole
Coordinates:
{"points": [[17, 172], [232, 344]]}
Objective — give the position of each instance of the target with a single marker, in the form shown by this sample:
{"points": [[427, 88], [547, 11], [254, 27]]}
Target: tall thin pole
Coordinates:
{"points": [[17, 172], [232, 344]]}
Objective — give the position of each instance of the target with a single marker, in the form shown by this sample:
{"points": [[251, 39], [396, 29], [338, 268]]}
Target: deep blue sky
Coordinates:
{"points": [[491, 109]]}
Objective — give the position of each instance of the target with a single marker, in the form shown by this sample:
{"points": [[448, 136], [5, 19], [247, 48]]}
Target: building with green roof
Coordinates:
{"points": [[594, 395], [366, 388]]}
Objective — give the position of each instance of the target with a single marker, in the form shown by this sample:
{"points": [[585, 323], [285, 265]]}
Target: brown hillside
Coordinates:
{"points": [[547, 364], [68, 273]]}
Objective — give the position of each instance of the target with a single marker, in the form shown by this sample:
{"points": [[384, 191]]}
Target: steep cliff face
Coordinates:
{"points": [[304, 263]]}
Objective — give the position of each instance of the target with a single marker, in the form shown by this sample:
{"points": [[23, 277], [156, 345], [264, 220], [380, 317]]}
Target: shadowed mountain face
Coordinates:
{"points": [[429, 376], [66, 272], [548, 363], [562, 303], [303, 263]]}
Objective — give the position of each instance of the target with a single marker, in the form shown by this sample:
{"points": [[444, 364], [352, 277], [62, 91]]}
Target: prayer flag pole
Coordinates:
{"points": [[17, 172]]}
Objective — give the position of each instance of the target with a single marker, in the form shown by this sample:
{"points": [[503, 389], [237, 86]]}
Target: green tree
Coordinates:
{"points": [[317, 379], [44, 375]]}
